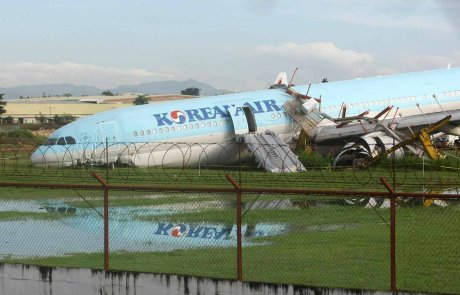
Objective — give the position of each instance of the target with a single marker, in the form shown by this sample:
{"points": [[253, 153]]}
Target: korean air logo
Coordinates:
{"points": [[178, 117], [178, 231]]}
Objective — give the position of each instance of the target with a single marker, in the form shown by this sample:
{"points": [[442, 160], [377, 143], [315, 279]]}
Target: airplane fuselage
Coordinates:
{"points": [[199, 127]]}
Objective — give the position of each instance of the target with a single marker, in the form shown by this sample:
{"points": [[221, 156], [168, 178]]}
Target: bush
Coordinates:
{"points": [[315, 160], [64, 119], [21, 135]]}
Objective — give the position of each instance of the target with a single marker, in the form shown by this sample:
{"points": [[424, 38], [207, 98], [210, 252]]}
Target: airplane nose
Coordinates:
{"points": [[38, 157]]}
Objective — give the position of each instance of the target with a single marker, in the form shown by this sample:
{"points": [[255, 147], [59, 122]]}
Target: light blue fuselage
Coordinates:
{"points": [[208, 120]]}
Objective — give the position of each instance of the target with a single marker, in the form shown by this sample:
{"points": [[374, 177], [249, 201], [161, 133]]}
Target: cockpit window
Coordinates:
{"points": [[70, 140], [61, 141], [50, 141]]}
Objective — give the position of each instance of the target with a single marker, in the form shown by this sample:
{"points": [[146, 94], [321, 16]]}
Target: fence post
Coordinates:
{"points": [[392, 231], [106, 220], [239, 242]]}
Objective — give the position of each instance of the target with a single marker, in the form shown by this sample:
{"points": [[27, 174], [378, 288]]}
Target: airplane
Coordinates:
{"points": [[352, 119]]}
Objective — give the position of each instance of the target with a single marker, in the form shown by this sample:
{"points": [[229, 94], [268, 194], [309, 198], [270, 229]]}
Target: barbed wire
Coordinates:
{"points": [[168, 162]]}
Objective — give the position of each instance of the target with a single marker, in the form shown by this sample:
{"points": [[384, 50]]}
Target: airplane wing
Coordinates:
{"points": [[361, 125], [369, 139]]}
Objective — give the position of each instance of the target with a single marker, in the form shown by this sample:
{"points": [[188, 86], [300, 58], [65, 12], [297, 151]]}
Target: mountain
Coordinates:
{"points": [[168, 87], [51, 89], [156, 87]]}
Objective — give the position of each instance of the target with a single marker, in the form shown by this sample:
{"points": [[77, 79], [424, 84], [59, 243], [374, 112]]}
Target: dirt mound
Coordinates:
{"points": [[43, 132]]}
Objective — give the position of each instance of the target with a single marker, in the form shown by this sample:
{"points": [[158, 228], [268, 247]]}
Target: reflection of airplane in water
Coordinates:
{"points": [[362, 117]]}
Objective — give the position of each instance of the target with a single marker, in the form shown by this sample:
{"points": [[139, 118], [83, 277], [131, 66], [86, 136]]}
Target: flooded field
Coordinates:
{"points": [[40, 228]]}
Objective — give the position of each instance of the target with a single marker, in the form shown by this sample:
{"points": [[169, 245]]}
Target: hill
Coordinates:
{"points": [[155, 87]]}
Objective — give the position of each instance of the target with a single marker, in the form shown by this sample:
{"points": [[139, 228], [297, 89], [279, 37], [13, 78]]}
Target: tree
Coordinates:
{"points": [[141, 99], [40, 118], [2, 104], [8, 120], [191, 91], [107, 93], [64, 119]]}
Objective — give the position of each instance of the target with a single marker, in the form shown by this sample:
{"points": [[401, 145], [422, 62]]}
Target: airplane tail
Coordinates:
{"points": [[281, 80]]}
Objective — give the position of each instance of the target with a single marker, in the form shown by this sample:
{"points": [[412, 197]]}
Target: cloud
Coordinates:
{"points": [[409, 14], [262, 6], [27, 73], [317, 60], [450, 9], [326, 52], [422, 62]]}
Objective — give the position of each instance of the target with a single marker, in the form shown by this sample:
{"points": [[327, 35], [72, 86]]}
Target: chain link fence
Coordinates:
{"points": [[50, 226], [322, 237]]}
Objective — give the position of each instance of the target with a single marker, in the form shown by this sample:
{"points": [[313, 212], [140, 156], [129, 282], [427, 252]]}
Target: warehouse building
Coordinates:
{"points": [[25, 111]]}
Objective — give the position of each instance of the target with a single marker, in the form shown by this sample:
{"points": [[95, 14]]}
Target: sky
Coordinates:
{"points": [[235, 45]]}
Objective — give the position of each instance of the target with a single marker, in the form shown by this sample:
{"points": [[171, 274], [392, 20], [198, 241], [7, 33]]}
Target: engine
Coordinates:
{"points": [[365, 148]]}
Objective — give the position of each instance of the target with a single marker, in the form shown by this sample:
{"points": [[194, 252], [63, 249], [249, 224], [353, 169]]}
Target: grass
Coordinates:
{"points": [[407, 177], [354, 255], [19, 215]]}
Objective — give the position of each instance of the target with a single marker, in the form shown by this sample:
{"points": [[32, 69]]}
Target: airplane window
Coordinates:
{"points": [[178, 128], [215, 123], [209, 124], [166, 129], [190, 126], [148, 131], [273, 116], [173, 129], [70, 140], [50, 141], [61, 141], [135, 133], [413, 98], [197, 125], [202, 125], [154, 131], [449, 93], [185, 127], [160, 130], [142, 133], [278, 115]]}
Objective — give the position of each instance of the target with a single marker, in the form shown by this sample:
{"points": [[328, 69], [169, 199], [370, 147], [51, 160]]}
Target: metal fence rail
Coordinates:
{"points": [[380, 239]]}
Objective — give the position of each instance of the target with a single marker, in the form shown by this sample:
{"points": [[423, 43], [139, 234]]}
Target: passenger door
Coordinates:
{"points": [[243, 120]]}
